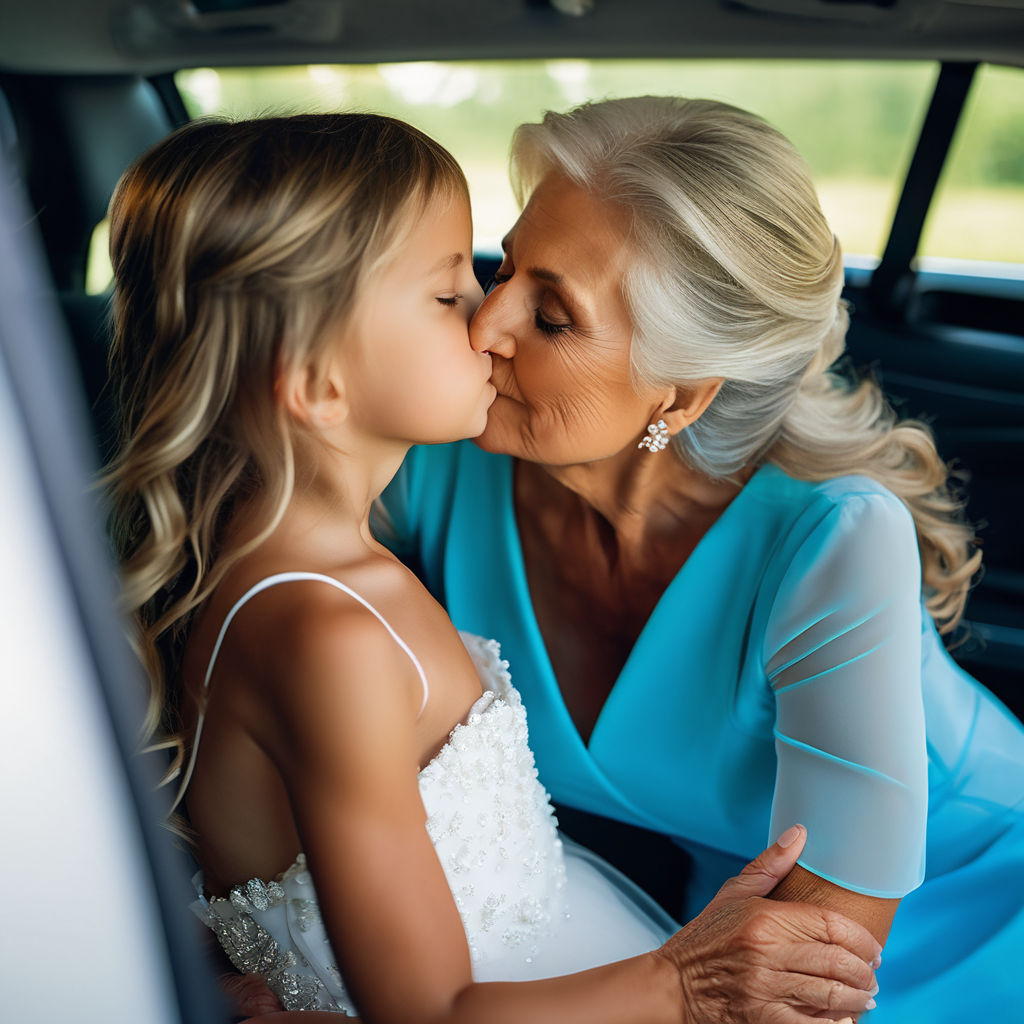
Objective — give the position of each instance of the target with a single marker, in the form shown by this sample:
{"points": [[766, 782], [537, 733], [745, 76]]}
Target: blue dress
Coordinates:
{"points": [[788, 673]]}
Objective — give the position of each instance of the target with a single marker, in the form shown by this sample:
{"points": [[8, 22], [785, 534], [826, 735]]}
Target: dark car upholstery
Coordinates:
{"points": [[51, 125]]}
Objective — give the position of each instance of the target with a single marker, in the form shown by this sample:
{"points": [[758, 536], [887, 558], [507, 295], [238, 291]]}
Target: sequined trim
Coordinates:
{"points": [[252, 950]]}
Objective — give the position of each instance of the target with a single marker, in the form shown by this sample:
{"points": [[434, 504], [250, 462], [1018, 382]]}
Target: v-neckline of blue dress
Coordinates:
{"points": [[619, 692]]}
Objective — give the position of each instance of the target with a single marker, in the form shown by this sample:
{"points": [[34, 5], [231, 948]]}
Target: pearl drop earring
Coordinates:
{"points": [[657, 437]]}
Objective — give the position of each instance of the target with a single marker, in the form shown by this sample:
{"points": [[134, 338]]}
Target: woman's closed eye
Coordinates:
{"points": [[449, 300], [494, 280], [540, 321], [549, 327]]}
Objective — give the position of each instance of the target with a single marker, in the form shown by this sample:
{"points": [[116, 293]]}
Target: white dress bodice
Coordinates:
{"points": [[494, 830]]}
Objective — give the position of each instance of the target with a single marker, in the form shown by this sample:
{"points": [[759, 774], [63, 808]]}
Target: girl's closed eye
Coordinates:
{"points": [[449, 300]]}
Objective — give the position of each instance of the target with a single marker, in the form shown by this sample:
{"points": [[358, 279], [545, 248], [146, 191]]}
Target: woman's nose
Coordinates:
{"points": [[489, 330]]}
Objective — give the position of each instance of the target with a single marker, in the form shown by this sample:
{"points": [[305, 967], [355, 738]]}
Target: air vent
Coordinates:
{"points": [[860, 3], [856, 11], [220, 6], [147, 27]]}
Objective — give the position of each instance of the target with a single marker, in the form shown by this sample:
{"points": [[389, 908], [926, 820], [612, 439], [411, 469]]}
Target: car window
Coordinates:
{"points": [[855, 122], [978, 212]]}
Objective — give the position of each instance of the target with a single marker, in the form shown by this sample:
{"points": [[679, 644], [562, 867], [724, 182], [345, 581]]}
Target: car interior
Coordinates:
{"points": [[87, 85]]}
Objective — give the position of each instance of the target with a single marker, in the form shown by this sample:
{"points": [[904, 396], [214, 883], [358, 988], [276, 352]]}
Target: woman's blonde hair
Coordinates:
{"points": [[236, 246], [736, 274]]}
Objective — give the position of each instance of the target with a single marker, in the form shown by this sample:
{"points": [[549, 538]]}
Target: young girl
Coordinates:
{"points": [[292, 301]]}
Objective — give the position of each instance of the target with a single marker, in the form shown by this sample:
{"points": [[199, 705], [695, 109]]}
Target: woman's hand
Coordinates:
{"points": [[748, 959]]}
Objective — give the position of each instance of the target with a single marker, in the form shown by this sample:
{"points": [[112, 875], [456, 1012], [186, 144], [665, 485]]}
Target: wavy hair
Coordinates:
{"points": [[738, 275], [236, 245]]}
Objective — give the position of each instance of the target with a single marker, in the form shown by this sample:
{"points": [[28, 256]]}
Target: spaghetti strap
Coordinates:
{"points": [[264, 584]]}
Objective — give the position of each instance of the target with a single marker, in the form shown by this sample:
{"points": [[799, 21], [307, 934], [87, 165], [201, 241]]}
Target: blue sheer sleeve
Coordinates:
{"points": [[843, 656]]}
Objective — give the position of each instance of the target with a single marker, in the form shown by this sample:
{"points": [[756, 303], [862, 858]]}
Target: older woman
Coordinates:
{"points": [[720, 570]]}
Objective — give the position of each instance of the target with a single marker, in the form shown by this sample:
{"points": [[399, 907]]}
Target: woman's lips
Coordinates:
{"points": [[504, 392], [498, 393]]}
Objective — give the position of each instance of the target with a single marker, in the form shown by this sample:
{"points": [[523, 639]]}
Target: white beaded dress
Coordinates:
{"points": [[533, 904]]}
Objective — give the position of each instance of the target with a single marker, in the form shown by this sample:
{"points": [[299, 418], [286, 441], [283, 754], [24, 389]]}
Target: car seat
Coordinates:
{"points": [[70, 179]]}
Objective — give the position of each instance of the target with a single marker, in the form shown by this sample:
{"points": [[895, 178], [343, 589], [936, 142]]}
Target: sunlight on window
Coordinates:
{"points": [[99, 274], [980, 199], [574, 78], [204, 86], [330, 84], [324, 74], [431, 83], [855, 122]]}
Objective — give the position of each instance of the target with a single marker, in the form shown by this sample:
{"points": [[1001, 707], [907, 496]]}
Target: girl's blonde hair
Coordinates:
{"points": [[236, 246], [737, 275]]}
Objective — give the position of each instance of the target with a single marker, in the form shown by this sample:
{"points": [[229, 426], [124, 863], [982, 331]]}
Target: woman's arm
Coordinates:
{"points": [[801, 886], [744, 959], [843, 654], [345, 745]]}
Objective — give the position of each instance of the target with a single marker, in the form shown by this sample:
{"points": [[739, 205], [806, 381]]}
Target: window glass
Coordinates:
{"points": [[978, 209], [855, 122], [99, 274]]}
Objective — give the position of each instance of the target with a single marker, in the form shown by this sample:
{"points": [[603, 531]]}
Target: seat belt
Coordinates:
{"points": [[893, 278]]}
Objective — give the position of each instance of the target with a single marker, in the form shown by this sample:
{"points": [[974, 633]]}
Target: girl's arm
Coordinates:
{"points": [[734, 973], [345, 744]]}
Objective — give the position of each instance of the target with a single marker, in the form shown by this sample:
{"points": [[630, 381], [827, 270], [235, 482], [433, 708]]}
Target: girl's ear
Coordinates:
{"points": [[311, 398], [688, 404]]}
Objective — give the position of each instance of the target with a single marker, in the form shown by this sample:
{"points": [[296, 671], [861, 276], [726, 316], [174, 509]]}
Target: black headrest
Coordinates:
{"points": [[10, 156], [77, 135], [108, 122]]}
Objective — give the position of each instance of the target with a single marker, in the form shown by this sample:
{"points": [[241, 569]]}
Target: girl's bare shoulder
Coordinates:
{"points": [[327, 626], [308, 636]]}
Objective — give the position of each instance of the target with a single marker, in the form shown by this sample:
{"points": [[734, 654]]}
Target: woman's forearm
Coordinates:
{"points": [[801, 886]]}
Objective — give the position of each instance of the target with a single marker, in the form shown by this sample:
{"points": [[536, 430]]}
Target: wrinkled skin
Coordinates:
{"points": [[734, 959]]}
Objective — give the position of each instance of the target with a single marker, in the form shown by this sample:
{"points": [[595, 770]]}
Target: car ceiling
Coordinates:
{"points": [[153, 36]]}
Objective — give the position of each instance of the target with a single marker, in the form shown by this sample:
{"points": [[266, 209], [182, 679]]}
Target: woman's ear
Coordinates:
{"points": [[688, 404], [311, 398]]}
